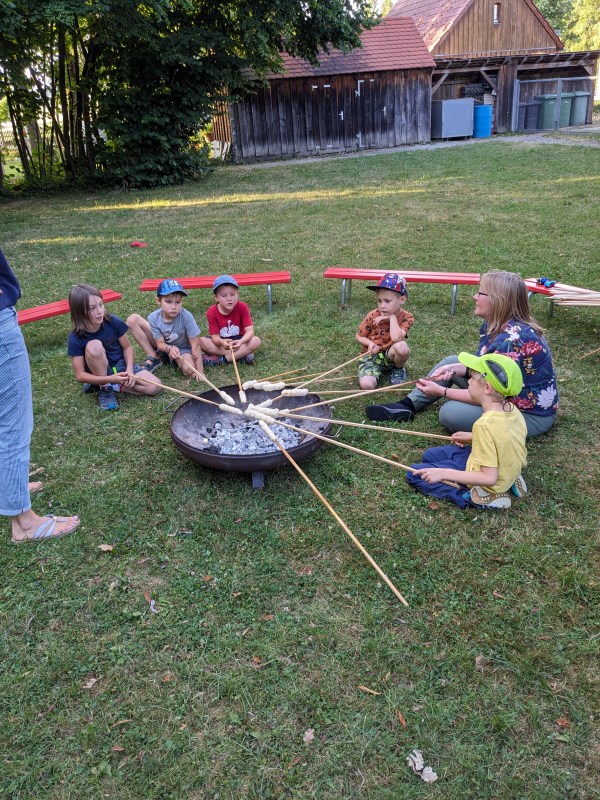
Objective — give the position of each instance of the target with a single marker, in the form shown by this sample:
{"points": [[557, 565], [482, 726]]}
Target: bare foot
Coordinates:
{"points": [[30, 527], [35, 486]]}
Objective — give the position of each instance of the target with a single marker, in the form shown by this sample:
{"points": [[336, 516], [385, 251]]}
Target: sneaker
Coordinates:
{"points": [[249, 359], [108, 401], [398, 375], [90, 388], [213, 361], [395, 412], [480, 497], [519, 487]]}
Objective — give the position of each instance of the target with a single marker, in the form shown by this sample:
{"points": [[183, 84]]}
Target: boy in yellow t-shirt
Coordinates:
{"points": [[485, 474]]}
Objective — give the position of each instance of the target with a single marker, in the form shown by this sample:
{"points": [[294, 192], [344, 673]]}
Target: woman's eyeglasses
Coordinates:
{"points": [[479, 293]]}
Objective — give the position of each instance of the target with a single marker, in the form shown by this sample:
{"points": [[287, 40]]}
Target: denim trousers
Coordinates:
{"points": [[16, 417]]}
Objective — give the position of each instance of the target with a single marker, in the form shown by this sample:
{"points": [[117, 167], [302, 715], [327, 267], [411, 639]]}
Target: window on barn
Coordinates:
{"points": [[497, 13]]}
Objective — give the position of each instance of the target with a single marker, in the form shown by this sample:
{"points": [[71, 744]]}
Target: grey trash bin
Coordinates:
{"points": [[579, 107]]}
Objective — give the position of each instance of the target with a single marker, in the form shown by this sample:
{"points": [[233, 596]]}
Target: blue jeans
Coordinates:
{"points": [[446, 457], [16, 417]]}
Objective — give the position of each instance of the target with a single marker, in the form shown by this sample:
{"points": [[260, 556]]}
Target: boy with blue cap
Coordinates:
{"points": [[383, 333], [486, 473], [229, 322], [171, 334]]}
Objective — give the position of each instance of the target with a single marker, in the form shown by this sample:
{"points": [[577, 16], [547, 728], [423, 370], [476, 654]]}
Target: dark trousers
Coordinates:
{"points": [[447, 457]]}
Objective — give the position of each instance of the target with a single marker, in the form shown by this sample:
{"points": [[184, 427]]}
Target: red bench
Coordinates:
{"points": [[244, 279], [411, 276], [25, 315]]}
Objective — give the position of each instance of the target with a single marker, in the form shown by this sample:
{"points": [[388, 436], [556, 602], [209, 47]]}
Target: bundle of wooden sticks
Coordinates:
{"points": [[566, 295]]}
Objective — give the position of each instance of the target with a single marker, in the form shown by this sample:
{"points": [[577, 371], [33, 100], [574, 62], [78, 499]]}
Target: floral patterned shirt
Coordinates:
{"points": [[519, 341]]}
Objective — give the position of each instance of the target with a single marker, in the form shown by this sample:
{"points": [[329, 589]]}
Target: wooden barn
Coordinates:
{"points": [[375, 96], [506, 49]]}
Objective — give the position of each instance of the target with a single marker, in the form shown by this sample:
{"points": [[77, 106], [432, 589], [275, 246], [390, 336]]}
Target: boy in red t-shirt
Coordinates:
{"points": [[230, 325]]}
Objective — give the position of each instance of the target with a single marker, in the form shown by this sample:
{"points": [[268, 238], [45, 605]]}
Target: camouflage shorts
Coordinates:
{"points": [[375, 366]]}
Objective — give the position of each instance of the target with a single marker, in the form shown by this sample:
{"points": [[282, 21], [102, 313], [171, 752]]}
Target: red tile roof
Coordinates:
{"points": [[393, 44], [433, 18]]}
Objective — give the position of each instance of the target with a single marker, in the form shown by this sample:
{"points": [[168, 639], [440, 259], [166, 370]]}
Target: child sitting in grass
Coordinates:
{"points": [[229, 322], [100, 351], [485, 474], [171, 334], [383, 332]]}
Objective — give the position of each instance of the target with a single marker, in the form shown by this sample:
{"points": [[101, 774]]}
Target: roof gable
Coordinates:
{"points": [[435, 18], [392, 45]]}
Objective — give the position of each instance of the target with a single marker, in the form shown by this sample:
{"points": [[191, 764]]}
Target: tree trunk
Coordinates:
{"points": [[70, 166]]}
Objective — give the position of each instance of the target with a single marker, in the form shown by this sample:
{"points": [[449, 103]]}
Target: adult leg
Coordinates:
{"points": [[16, 426], [415, 401], [537, 425], [457, 416]]}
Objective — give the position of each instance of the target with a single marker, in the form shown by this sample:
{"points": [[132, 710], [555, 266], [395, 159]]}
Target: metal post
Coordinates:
{"points": [[453, 303], [270, 297], [343, 292]]}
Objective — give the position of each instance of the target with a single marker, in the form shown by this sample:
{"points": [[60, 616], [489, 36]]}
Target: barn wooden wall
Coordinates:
{"points": [[333, 114], [476, 35]]}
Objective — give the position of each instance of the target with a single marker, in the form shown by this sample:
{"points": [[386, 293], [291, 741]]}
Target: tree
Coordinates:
{"points": [[557, 12], [125, 87], [583, 30]]}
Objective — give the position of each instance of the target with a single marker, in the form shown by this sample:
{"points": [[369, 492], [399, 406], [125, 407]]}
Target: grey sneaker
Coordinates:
{"points": [[90, 388], [398, 375], [249, 359], [519, 487], [108, 401], [480, 497]]}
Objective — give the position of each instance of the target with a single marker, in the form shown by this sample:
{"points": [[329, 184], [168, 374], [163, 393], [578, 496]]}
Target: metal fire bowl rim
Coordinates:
{"points": [[255, 462]]}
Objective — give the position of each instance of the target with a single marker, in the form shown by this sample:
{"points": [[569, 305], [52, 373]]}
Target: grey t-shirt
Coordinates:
{"points": [[178, 332]]}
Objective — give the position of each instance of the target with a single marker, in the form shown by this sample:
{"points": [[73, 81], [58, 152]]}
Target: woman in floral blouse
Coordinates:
{"points": [[507, 328]]}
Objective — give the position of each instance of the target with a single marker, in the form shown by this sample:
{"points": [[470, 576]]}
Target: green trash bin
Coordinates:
{"points": [[546, 111], [579, 107], [566, 99]]}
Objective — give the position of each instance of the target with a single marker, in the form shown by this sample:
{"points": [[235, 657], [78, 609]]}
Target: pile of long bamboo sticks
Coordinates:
{"points": [[565, 295]]}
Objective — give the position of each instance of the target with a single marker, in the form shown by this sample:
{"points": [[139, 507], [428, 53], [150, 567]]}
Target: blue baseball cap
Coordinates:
{"points": [[170, 286], [225, 279], [393, 282]]}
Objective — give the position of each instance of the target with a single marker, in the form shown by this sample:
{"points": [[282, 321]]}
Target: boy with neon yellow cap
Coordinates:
{"points": [[485, 469]]}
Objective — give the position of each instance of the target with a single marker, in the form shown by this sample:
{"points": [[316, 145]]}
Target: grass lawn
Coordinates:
{"points": [[269, 619]]}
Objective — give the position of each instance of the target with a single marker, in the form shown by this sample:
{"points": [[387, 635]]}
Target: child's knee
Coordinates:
{"points": [[133, 320], [94, 349], [255, 343]]}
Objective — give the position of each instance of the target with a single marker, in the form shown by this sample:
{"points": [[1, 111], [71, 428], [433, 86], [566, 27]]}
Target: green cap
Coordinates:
{"points": [[501, 372]]}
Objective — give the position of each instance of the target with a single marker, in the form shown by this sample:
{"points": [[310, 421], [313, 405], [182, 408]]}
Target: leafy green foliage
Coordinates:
{"points": [[128, 86]]}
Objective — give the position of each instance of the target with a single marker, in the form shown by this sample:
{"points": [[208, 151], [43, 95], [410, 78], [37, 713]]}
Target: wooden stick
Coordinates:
{"points": [[281, 374], [373, 427], [203, 377], [329, 440], [399, 387], [237, 374], [335, 369], [341, 522], [178, 391], [343, 391], [591, 353]]}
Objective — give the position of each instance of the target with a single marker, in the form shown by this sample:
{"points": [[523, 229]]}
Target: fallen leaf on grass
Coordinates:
{"points": [[147, 597], [294, 761], [235, 594], [428, 775], [113, 585], [309, 735], [268, 617], [563, 723], [256, 659], [369, 691], [433, 505], [120, 722], [106, 548], [498, 595], [401, 719], [47, 711], [305, 571], [481, 663], [89, 683], [117, 748], [168, 676], [207, 578]]}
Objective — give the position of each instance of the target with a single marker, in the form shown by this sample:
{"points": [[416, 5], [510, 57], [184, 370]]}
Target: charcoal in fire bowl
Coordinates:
{"points": [[194, 423]]}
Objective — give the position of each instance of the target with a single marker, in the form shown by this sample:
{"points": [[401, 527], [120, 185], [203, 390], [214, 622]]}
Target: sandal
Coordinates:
{"points": [[46, 530], [151, 363]]}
